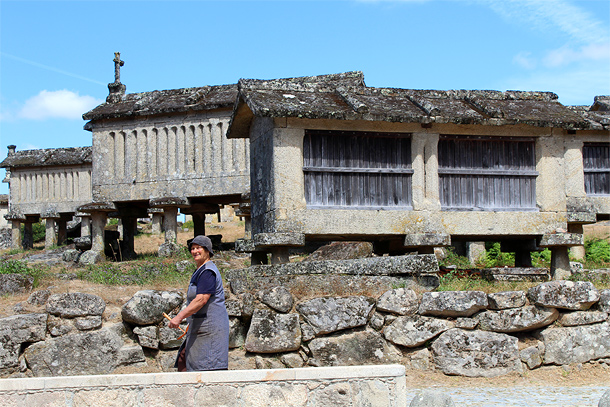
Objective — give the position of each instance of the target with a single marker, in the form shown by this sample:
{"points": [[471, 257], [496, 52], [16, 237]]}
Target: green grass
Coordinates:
{"points": [[153, 271], [20, 267]]}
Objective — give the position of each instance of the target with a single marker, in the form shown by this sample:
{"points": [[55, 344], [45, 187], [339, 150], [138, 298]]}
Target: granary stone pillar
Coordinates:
{"points": [[198, 212], [170, 207], [578, 252], [28, 232], [85, 223], [246, 245], [99, 215], [15, 219], [157, 220], [425, 243], [474, 251], [580, 211], [128, 217], [558, 243], [523, 251], [62, 229], [50, 237], [278, 244]]}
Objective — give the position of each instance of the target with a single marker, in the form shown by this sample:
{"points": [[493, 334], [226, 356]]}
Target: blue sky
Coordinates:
{"points": [[56, 56]]}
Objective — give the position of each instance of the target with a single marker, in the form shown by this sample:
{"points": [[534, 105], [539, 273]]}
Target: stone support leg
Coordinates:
{"points": [[578, 252], [198, 223], [15, 234], [50, 238], [28, 235], [62, 232], [119, 228], [98, 222], [157, 220], [279, 255], [85, 226], [523, 258], [560, 263], [130, 225], [170, 224], [474, 251]]}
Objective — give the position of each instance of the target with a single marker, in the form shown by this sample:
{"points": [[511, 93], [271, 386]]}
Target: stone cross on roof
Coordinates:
{"points": [[117, 89], [117, 67]]}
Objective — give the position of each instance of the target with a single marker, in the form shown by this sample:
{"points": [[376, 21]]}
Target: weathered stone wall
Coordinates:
{"points": [[383, 386], [62, 189], [557, 152], [358, 315], [184, 155]]}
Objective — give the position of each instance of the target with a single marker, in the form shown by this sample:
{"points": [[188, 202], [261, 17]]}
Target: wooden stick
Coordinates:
{"points": [[167, 316]]}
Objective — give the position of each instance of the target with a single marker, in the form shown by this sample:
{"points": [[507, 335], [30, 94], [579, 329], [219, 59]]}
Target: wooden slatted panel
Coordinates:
{"points": [[596, 163], [479, 173], [357, 169]]}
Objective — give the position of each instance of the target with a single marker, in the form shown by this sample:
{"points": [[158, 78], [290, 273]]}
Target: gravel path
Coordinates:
{"points": [[522, 396]]}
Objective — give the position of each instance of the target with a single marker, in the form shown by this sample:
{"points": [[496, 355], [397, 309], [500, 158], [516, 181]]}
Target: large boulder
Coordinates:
{"points": [[412, 331], [476, 353], [15, 283], [578, 344], [278, 298], [16, 330], [95, 352], [272, 332], [401, 301], [237, 333], [452, 303], [352, 349], [517, 319], [330, 314], [147, 307], [571, 295], [71, 305]]}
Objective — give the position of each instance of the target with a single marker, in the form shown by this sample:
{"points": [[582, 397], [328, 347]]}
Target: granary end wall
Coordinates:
{"points": [[168, 156], [35, 190], [558, 162]]}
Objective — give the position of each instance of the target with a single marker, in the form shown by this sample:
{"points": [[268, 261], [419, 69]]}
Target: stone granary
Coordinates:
{"points": [[416, 169], [163, 150], [47, 184]]}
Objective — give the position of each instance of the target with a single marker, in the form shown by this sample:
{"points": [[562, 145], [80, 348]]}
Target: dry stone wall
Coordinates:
{"points": [[466, 333]]}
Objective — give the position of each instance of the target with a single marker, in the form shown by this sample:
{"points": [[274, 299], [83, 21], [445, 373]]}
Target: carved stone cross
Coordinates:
{"points": [[117, 67]]}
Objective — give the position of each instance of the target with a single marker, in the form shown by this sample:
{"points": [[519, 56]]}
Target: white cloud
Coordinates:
{"points": [[57, 104], [567, 55], [525, 60], [576, 23]]}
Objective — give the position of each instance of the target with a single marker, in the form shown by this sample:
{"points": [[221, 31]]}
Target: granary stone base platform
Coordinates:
{"points": [[383, 386]]}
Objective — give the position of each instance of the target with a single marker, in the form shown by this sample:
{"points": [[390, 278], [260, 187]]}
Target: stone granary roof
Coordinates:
{"points": [[166, 101], [346, 97], [47, 157], [598, 114], [3, 199]]}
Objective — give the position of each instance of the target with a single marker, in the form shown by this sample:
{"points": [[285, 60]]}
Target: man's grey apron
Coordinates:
{"points": [[207, 340]]}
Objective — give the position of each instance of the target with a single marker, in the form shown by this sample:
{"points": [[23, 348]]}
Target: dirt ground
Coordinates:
{"points": [[587, 374]]}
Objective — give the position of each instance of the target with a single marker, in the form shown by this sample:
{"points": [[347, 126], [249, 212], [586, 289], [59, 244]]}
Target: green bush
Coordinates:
{"points": [[494, 257], [541, 259], [597, 253], [453, 259], [38, 231]]}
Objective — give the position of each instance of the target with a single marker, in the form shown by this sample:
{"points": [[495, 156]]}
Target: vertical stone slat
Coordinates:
{"points": [[171, 151], [119, 156], [131, 156], [216, 148], [198, 144], [162, 152], [180, 150], [151, 142], [189, 147], [108, 156], [207, 149]]}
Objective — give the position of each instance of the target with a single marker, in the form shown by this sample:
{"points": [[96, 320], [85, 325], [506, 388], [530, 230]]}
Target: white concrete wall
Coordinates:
{"points": [[383, 386]]}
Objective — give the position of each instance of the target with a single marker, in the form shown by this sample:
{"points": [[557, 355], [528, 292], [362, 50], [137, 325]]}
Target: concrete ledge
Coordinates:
{"points": [[376, 385]]}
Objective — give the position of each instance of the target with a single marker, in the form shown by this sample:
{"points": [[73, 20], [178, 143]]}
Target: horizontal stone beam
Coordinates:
{"points": [[427, 239], [561, 240], [284, 239]]}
